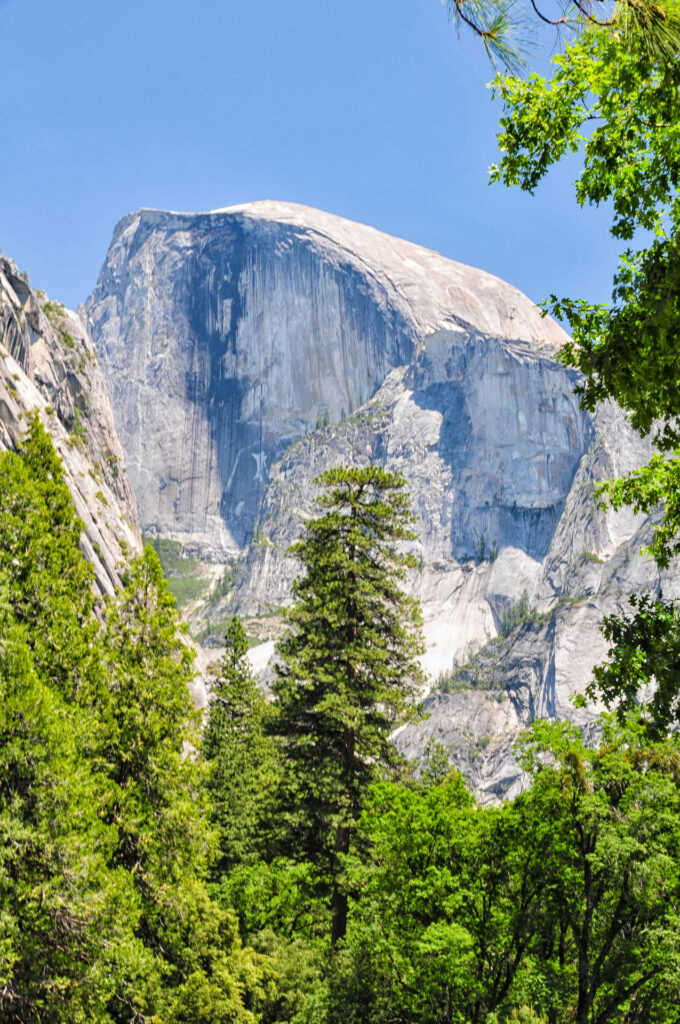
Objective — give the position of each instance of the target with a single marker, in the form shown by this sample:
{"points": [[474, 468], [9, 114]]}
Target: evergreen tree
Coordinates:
{"points": [[49, 581], [148, 727], [104, 911], [68, 949], [240, 756], [58, 900], [348, 670], [509, 31]]}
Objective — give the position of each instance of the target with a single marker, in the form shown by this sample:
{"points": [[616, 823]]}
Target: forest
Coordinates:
{"points": [[287, 865]]}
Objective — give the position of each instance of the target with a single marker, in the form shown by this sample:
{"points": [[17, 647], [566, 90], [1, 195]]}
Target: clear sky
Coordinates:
{"points": [[371, 109]]}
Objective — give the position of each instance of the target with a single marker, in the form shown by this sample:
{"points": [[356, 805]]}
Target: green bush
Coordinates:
{"points": [[519, 613]]}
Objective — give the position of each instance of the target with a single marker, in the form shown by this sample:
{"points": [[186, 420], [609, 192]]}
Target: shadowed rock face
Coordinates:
{"points": [[225, 337]]}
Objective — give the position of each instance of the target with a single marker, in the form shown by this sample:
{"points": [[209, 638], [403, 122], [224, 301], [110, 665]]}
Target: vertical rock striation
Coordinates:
{"points": [[226, 336], [48, 365]]}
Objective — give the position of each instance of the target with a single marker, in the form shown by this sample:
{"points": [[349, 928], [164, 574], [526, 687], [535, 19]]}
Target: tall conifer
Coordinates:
{"points": [[348, 669], [240, 757]]}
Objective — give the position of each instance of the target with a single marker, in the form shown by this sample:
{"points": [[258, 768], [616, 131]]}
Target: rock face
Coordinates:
{"points": [[593, 563], [226, 336], [48, 365], [248, 349]]}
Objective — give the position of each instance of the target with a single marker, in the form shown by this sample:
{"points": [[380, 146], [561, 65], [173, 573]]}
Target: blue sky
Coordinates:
{"points": [[371, 109]]}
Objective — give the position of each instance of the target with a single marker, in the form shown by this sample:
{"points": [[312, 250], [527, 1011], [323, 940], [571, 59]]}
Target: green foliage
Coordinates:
{"points": [[296, 980], [447, 892], [632, 159], [77, 433], [69, 949], [508, 30], [518, 613], [610, 871], [56, 314], [474, 674], [348, 672], [223, 586], [149, 668], [48, 580], [183, 577], [213, 632], [240, 756], [156, 803], [54, 311], [482, 551], [186, 589], [104, 910], [280, 894], [645, 489], [525, 1015], [559, 906], [644, 653], [435, 766], [322, 421], [505, 36], [615, 97], [169, 553], [66, 919]]}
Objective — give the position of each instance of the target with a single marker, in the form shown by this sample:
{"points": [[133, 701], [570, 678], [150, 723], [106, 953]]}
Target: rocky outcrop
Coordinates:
{"points": [[48, 365], [248, 349]]}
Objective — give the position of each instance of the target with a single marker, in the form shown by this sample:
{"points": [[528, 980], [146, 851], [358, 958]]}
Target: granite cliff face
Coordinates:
{"points": [[48, 365], [248, 349], [226, 336]]}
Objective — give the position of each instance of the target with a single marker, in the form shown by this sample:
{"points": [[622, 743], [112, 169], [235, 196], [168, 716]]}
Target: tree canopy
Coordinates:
{"points": [[557, 906], [240, 757], [509, 31], [104, 909]]}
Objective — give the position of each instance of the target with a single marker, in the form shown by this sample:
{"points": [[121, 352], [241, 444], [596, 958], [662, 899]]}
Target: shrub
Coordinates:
{"points": [[519, 613]]}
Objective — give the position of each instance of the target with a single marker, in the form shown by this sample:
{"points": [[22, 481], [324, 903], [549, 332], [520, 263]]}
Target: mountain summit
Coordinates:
{"points": [[227, 335]]}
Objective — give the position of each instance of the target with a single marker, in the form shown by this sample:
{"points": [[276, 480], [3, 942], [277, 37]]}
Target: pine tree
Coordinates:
{"points": [[348, 670], [147, 720], [68, 915], [49, 581], [240, 756], [156, 801]]}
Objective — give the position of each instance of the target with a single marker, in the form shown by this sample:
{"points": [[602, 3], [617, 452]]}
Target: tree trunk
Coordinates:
{"points": [[583, 939], [339, 898], [342, 838]]}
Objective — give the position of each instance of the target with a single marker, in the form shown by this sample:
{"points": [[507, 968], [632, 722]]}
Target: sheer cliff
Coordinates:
{"points": [[250, 348], [226, 336], [48, 365]]}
